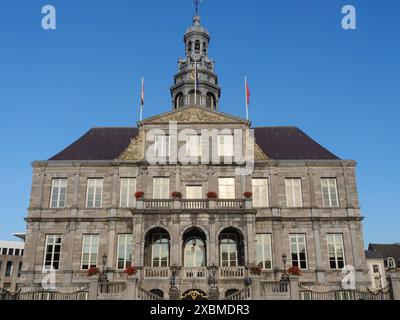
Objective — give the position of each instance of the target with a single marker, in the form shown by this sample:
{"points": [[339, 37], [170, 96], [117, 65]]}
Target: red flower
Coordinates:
{"points": [[212, 195], [295, 271], [92, 271], [130, 271], [177, 195], [139, 195], [255, 270], [247, 195]]}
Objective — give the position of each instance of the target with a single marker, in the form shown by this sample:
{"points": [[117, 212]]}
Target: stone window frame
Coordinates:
{"points": [[53, 180], [330, 204], [335, 250], [268, 196], [293, 205], [297, 235], [126, 252], [94, 193], [129, 191], [53, 245], [263, 250], [90, 252]]}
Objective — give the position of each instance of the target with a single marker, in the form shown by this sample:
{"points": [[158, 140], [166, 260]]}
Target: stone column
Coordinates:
{"points": [[93, 289], [131, 289], [294, 288], [394, 282], [320, 273]]}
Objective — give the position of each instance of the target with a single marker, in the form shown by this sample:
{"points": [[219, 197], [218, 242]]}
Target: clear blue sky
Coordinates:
{"points": [[341, 87]]}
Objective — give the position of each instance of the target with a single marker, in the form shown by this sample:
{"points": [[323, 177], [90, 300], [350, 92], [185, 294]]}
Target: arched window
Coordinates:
{"points": [[157, 292], [194, 99], [157, 248], [194, 248], [231, 248], [197, 46], [205, 48], [179, 101], [211, 102], [391, 263], [230, 292], [189, 47]]}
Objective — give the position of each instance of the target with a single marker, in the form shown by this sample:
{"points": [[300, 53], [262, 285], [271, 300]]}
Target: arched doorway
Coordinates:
{"points": [[194, 248], [158, 293], [157, 248], [194, 294], [231, 248], [230, 292]]}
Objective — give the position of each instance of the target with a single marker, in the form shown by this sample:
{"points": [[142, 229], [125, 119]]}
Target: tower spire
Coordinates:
{"points": [[196, 82], [197, 5]]}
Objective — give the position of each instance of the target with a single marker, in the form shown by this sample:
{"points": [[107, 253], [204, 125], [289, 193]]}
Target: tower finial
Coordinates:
{"points": [[197, 5]]}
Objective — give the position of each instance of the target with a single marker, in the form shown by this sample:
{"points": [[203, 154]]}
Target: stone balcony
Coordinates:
{"points": [[185, 273], [194, 205]]}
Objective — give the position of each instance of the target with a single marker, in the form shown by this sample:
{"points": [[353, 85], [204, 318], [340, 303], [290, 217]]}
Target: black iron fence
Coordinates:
{"points": [[43, 295]]}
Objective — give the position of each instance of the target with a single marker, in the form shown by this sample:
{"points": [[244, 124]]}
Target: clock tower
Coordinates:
{"points": [[187, 91]]}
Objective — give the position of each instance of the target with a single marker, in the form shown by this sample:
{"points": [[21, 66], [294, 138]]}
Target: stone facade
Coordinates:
{"points": [[203, 219]]}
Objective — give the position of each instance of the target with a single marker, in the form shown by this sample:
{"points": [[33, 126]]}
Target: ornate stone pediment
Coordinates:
{"points": [[135, 150], [194, 176], [194, 115], [259, 153]]}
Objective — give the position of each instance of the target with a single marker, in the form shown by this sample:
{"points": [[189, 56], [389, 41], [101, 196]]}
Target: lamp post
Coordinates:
{"points": [[285, 276], [103, 275], [214, 291]]}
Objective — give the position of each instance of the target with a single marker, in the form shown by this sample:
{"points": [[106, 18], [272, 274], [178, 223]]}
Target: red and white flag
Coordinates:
{"points": [[247, 89]]}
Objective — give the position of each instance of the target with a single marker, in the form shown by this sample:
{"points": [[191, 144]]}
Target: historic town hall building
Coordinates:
{"points": [[172, 199]]}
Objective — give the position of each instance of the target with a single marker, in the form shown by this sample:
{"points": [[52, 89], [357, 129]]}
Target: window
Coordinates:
{"points": [[197, 46], [195, 98], [329, 193], [227, 188], [160, 250], [17, 252], [10, 252], [161, 145], [298, 251], [9, 268], [264, 251], [211, 101], [19, 269], [336, 251], [194, 192], [4, 251], [58, 193], [7, 286], [260, 193], [52, 252], [195, 253], [127, 193], [225, 146], [375, 268], [293, 193], [90, 248], [391, 263], [179, 101], [229, 250], [94, 193], [125, 249], [194, 146], [161, 188]]}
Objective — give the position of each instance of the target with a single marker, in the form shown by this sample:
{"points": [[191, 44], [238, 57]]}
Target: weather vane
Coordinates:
{"points": [[197, 4]]}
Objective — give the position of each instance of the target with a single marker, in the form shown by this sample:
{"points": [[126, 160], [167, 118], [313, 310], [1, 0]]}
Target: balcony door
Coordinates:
{"points": [[194, 248], [195, 253]]}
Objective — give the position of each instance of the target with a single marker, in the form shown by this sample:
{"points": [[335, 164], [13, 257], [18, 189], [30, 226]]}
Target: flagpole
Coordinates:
{"points": [[245, 96], [195, 83], [142, 100]]}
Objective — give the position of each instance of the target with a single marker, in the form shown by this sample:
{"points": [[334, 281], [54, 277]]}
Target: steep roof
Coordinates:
{"points": [[278, 143], [386, 250]]}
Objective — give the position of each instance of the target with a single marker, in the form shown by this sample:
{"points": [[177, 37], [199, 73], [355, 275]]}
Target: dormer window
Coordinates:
{"points": [[391, 263]]}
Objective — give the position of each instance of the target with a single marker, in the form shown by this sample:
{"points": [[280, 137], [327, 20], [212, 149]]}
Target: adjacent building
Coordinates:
{"points": [[195, 199], [11, 255], [382, 260]]}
